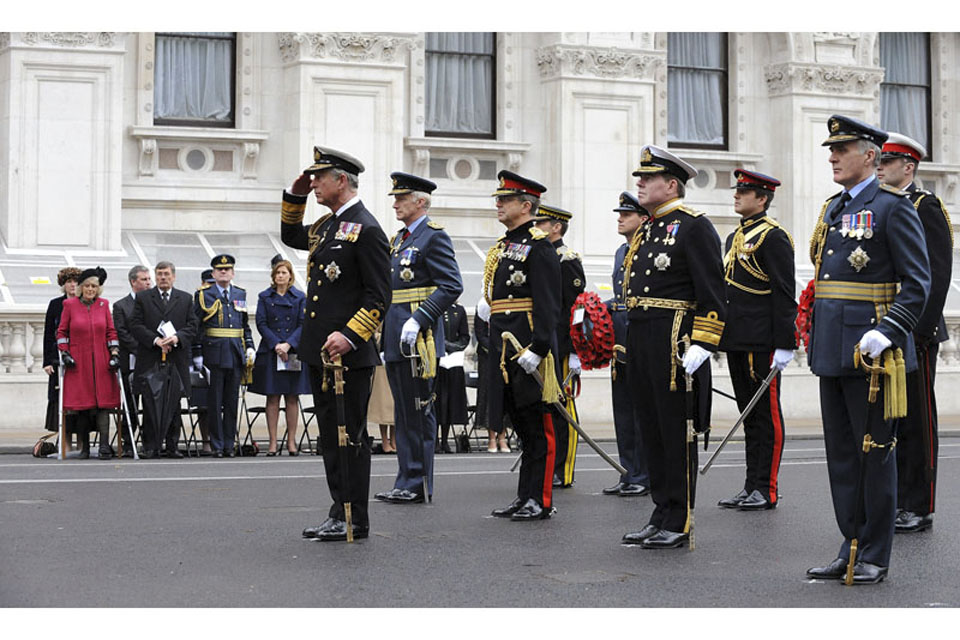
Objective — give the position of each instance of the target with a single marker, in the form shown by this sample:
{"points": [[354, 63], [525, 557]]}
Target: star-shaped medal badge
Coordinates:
{"points": [[858, 259], [661, 262], [333, 271], [517, 278]]}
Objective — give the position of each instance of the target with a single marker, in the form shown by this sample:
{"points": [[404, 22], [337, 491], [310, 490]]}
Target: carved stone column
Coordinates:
{"points": [[36, 347]]}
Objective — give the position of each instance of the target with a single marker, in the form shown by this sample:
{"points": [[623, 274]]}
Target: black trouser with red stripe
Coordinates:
{"points": [[534, 424], [662, 415], [763, 428], [917, 441]]}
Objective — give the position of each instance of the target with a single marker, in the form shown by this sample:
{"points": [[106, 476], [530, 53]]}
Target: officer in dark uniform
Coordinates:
{"points": [[348, 292], [760, 331], [554, 221], [426, 280], [521, 288], [872, 276], [226, 348], [636, 482], [199, 386], [674, 290], [917, 440]]}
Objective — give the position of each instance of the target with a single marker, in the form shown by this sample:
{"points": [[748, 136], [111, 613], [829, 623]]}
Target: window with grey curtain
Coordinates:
{"points": [[194, 78], [697, 89], [460, 89], [905, 90]]}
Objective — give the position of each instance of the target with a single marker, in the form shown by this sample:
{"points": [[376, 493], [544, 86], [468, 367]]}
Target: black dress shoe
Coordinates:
{"points": [[385, 495], [104, 454], [149, 455], [229, 453], [734, 502], [217, 454], [664, 539], [866, 573], [337, 531], [311, 532], [756, 502], [508, 510], [637, 537], [833, 571], [292, 453], [629, 489], [173, 453], [531, 510], [612, 491], [403, 496], [910, 522]]}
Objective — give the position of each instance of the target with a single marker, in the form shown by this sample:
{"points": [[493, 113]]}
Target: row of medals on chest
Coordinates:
{"points": [[857, 226], [662, 260]]}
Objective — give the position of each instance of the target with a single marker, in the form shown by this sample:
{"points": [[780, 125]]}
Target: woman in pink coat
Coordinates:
{"points": [[90, 349]]}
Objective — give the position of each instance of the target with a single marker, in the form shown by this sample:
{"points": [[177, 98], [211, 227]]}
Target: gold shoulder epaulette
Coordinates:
{"points": [[434, 225], [538, 234], [894, 190], [205, 285], [690, 212], [569, 254]]}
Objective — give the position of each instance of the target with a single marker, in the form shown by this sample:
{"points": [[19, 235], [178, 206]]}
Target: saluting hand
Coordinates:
{"points": [[301, 186]]}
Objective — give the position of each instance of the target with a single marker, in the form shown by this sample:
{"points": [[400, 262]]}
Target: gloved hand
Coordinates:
{"points": [[694, 357], [198, 363], [529, 361], [409, 331], [573, 362], [873, 343], [114, 362], [781, 358], [251, 355], [68, 360], [483, 310], [382, 359]]}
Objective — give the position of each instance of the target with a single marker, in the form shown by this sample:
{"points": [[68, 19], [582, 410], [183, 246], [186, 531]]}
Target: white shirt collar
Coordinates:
{"points": [[349, 203]]}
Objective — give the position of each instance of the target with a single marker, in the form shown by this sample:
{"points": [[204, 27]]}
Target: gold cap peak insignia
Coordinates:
{"points": [[223, 259], [646, 156], [502, 184], [316, 155], [394, 183], [834, 126]]}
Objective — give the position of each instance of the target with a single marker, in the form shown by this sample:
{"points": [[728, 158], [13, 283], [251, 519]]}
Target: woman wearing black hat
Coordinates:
{"points": [[279, 320], [67, 279], [90, 349]]}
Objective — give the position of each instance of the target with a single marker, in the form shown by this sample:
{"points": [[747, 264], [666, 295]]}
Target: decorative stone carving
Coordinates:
{"points": [[148, 156], [560, 60], [810, 78], [348, 47], [251, 151], [100, 39], [421, 161]]}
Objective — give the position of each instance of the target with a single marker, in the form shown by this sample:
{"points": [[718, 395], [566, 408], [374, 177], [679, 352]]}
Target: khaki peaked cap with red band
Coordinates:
{"points": [[753, 180], [901, 146], [513, 184]]}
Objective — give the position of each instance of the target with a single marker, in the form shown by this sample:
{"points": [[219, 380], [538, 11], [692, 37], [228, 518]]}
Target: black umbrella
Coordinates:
{"points": [[162, 389]]}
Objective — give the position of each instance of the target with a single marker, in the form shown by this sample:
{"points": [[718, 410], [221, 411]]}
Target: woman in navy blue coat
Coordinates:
{"points": [[279, 320]]}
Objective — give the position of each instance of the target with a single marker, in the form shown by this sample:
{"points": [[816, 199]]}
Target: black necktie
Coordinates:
{"points": [[165, 296], [844, 199], [406, 234]]}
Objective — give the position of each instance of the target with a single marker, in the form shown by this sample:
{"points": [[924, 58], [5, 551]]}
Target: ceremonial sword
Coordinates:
{"points": [[509, 337]]}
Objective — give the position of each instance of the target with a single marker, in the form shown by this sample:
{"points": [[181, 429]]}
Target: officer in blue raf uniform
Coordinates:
{"points": [[760, 332], [872, 277], [227, 348], [426, 280], [917, 441], [629, 442]]}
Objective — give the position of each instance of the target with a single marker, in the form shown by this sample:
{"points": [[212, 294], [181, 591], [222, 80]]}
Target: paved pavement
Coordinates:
{"points": [[226, 533]]}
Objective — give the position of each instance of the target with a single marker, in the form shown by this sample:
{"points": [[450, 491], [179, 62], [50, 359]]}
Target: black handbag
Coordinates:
{"points": [[43, 448]]}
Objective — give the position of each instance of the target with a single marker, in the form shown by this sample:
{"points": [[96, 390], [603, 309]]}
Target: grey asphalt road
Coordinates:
{"points": [[226, 533]]}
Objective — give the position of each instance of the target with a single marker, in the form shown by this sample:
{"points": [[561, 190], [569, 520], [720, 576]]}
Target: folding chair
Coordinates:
{"points": [[307, 416]]}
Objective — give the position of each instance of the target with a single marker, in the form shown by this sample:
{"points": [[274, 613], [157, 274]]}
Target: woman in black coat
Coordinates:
{"points": [[67, 278], [451, 386]]}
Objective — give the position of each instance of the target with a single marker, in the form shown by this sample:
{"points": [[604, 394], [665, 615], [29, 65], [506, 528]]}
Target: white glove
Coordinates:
{"points": [[382, 359], [409, 331], [573, 363], [873, 343], [694, 357], [483, 310], [251, 355], [198, 363], [781, 358], [529, 361]]}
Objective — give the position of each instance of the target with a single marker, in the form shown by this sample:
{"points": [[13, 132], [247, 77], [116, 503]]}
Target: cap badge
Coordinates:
{"points": [[834, 126], [647, 156], [223, 259], [316, 154], [858, 259]]}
